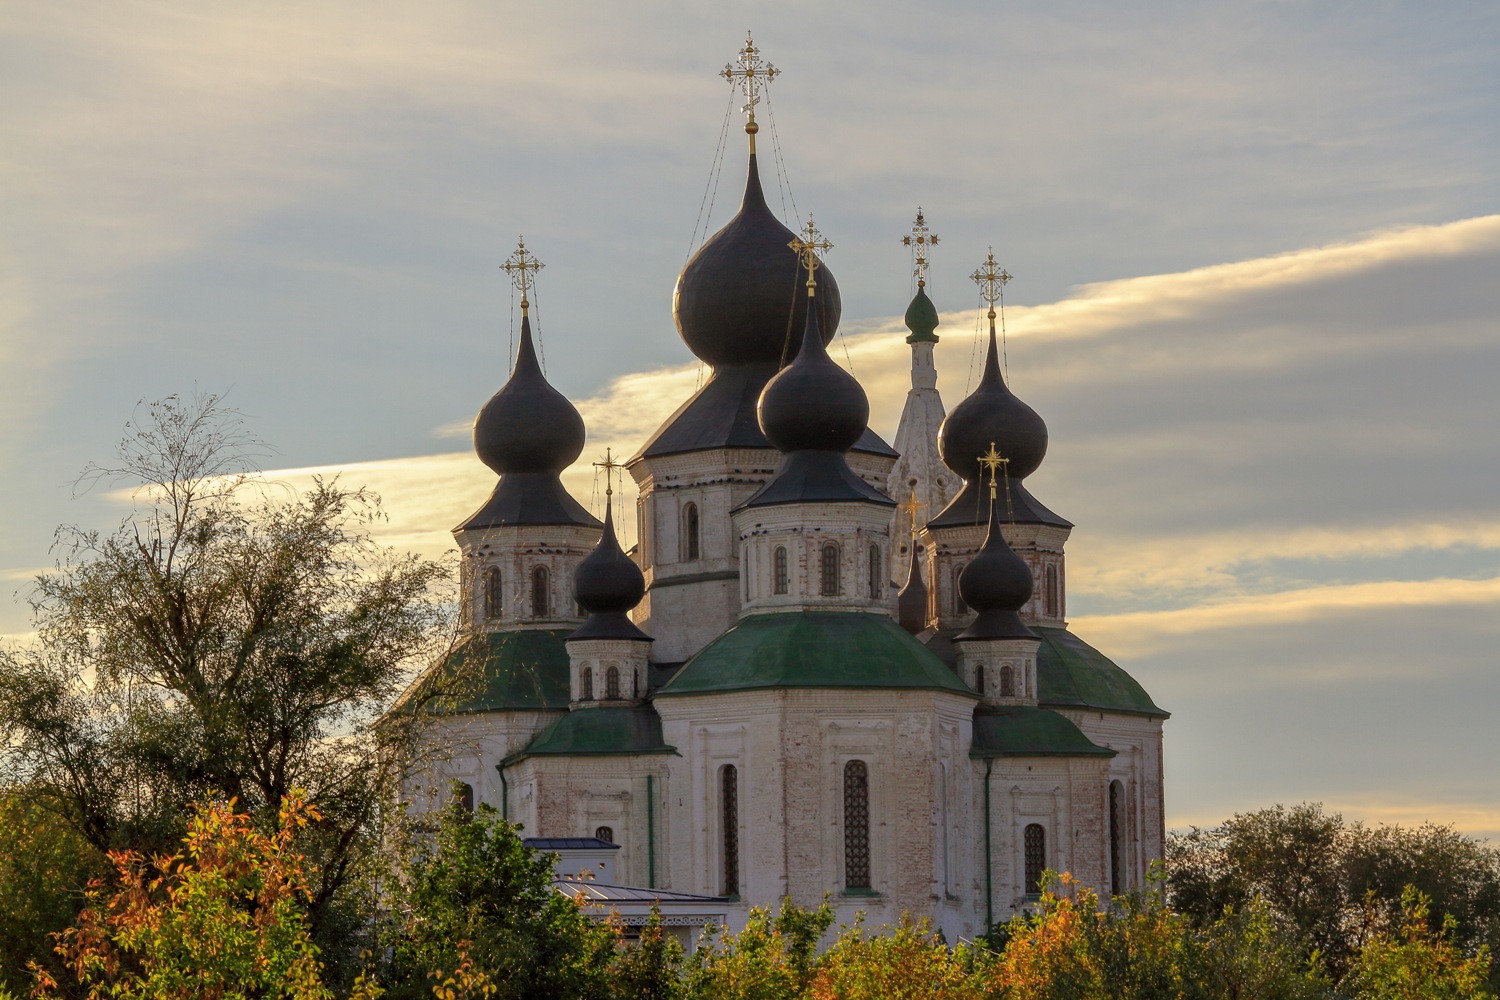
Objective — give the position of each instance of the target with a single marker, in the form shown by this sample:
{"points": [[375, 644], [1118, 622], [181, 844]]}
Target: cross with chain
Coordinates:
{"points": [[991, 279], [522, 267], [911, 509], [753, 73], [993, 462], [609, 465], [920, 240], [810, 246]]}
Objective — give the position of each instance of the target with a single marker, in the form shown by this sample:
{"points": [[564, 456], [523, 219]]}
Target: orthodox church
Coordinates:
{"points": [[745, 706]]}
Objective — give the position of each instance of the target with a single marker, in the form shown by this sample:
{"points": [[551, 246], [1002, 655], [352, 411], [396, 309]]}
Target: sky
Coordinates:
{"points": [[1255, 249]]}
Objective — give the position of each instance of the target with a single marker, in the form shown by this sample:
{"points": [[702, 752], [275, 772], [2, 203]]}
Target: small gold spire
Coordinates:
{"points": [[991, 279], [522, 267], [911, 509], [752, 73], [921, 241], [810, 246]]}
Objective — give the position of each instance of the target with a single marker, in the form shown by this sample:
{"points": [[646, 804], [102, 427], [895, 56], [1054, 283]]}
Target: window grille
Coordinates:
{"points": [[541, 593], [606, 834], [690, 532], [856, 825], [877, 586], [830, 574], [612, 682], [1052, 610], [1035, 844], [494, 602], [586, 688], [1116, 838], [1007, 681], [779, 571], [729, 821]]}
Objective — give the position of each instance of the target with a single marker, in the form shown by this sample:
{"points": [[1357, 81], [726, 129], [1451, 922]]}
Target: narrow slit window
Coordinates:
{"points": [[1052, 610], [877, 585], [690, 532], [729, 822], [830, 568], [958, 598], [1116, 838], [1034, 843], [494, 602], [541, 592], [856, 825], [1007, 681], [612, 682], [586, 685], [780, 581]]}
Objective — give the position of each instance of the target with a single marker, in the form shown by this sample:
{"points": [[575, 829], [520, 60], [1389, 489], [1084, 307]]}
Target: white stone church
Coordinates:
{"points": [[746, 706]]}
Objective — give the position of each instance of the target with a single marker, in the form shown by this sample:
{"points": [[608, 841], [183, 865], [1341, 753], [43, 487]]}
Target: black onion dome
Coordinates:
{"points": [[997, 584], [607, 583], [992, 413], [528, 426], [812, 404], [734, 298], [911, 601]]}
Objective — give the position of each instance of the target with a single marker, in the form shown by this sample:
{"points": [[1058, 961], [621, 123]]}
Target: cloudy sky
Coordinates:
{"points": [[1256, 297]]}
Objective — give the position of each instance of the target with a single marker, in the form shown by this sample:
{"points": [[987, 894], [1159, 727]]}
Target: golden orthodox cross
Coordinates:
{"points": [[609, 465], [993, 462], [991, 279], [921, 241], [522, 267], [753, 73], [810, 246], [911, 509]]}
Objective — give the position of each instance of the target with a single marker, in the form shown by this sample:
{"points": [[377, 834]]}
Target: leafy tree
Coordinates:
{"points": [[772, 958], [224, 641], [909, 962], [1417, 963], [472, 909], [653, 969], [224, 918], [44, 865]]}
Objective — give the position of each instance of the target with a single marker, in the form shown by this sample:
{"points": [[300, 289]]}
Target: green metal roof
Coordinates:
{"points": [[1073, 674], [1024, 731], [495, 671], [619, 730], [808, 649]]}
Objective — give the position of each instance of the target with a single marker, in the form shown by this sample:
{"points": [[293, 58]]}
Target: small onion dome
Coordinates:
{"points": [[528, 426], [607, 583], [992, 413], [812, 404], [911, 601], [921, 319], [735, 298], [997, 584]]}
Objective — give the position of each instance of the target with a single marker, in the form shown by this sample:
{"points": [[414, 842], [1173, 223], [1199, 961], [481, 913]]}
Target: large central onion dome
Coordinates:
{"points": [[997, 584], [607, 584], [992, 414], [739, 300], [528, 426]]}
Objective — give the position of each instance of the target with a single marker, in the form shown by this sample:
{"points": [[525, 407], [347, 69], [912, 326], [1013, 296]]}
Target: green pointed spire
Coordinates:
{"points": [[921, 319]]}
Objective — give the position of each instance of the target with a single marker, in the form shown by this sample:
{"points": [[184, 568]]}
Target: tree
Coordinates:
{"points": [[226, 641], [471, 909], [772, 958], [1417, 963]]}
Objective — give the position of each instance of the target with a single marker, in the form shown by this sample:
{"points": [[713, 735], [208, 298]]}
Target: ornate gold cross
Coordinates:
{"points": [[993, 462], [991, 279], [522, 267], [810, 246], [753, 73], [911, 508], [921, 241], [609, 465]]}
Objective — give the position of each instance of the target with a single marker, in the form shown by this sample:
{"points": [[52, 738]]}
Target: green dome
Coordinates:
{"points": [[813, 649], [921, 319], [1073, 674], [495, 671], [1024, 731], [619, 730]]}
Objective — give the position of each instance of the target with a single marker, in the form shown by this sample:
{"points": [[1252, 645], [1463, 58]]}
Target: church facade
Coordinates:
{"points": [[746, 705]]}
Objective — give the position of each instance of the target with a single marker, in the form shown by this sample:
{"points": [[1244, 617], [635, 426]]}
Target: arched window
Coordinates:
{"points": [[729, 829], [463, 796], [959, 607], [1116, 838], [830, 567], [493, 601], [586, 685], [605, 833], [1007, 681], [690, 531], [979, 678], [856, 825], [541, 593], [1034, 843], [877, 585], [1051, 610], [779, 576], [612, 682]]}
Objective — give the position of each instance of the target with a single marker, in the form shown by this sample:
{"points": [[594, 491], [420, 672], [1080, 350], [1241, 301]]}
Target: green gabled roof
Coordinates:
{"points": [[813, 649], [619, 730], [1073, 674], [495, 671], [1024, 731]]}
